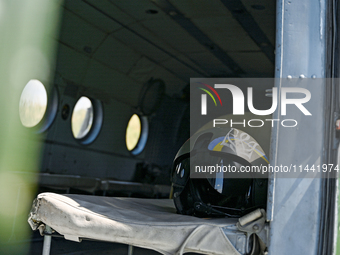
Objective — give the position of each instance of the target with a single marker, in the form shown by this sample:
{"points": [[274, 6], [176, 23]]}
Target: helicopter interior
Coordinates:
{"points": [[128, 58], [123, 64]]}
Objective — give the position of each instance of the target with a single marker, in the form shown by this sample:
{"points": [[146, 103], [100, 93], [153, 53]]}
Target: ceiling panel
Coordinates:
{"points": [[174, 35], [219, 24], [91, 15], [109, 10], [255, 64], [79, 34], [141, 45], [223, 22], [197, 36], [138, 9], [116, 55], [263, 12], [211, 64], [71, 64], [227, 33], [201, 8], [152, 47], [180, 69]]}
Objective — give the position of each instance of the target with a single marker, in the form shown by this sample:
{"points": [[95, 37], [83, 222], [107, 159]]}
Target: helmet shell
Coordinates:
{"points": [[211, 144]]}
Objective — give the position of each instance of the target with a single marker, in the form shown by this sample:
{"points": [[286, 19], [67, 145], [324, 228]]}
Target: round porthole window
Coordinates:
{"points": [[136, 134], [37, 110], [86, 119], [82, 118], [33, 103]]}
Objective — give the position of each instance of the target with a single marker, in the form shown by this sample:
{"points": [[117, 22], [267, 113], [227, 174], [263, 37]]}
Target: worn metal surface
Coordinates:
{"points": [[294, 203], [47, 242]]}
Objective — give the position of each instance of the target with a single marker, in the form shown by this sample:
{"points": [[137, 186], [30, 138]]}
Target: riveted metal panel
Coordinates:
{"points": [[294, 204]]}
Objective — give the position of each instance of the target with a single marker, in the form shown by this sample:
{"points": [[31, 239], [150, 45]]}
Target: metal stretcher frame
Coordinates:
{"points": [[145, 223]]}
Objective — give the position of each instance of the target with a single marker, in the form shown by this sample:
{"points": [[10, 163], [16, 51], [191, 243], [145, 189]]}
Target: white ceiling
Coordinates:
{"points": [[116, 45]]}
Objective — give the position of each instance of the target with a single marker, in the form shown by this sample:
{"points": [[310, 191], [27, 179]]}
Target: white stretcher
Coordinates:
{"points": [[146, 223]]}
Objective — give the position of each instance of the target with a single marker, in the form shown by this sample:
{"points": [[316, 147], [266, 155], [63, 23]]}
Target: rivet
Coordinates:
{"points": [[289, 77], [314, 76], [256, 227], [302, 76]]}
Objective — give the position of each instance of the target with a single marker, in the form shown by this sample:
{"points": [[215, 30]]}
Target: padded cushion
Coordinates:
{"points": [[147, 223]]}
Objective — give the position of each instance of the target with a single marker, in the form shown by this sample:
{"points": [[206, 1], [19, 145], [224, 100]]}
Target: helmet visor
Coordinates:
{"points": [[223, 172]]}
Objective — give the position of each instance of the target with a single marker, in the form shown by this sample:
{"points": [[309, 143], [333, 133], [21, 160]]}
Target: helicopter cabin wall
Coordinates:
{"points": [[107, 156]]}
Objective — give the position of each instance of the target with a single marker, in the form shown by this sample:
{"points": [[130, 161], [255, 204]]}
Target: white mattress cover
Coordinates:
{"points": [[147, 223]]}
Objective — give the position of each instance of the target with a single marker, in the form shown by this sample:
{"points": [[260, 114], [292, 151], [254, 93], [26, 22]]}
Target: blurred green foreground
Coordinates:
{"points": [[28, 32]]}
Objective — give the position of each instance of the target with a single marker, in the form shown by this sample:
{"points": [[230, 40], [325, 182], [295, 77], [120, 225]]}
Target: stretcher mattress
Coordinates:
{"points": [[147, 223]]}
